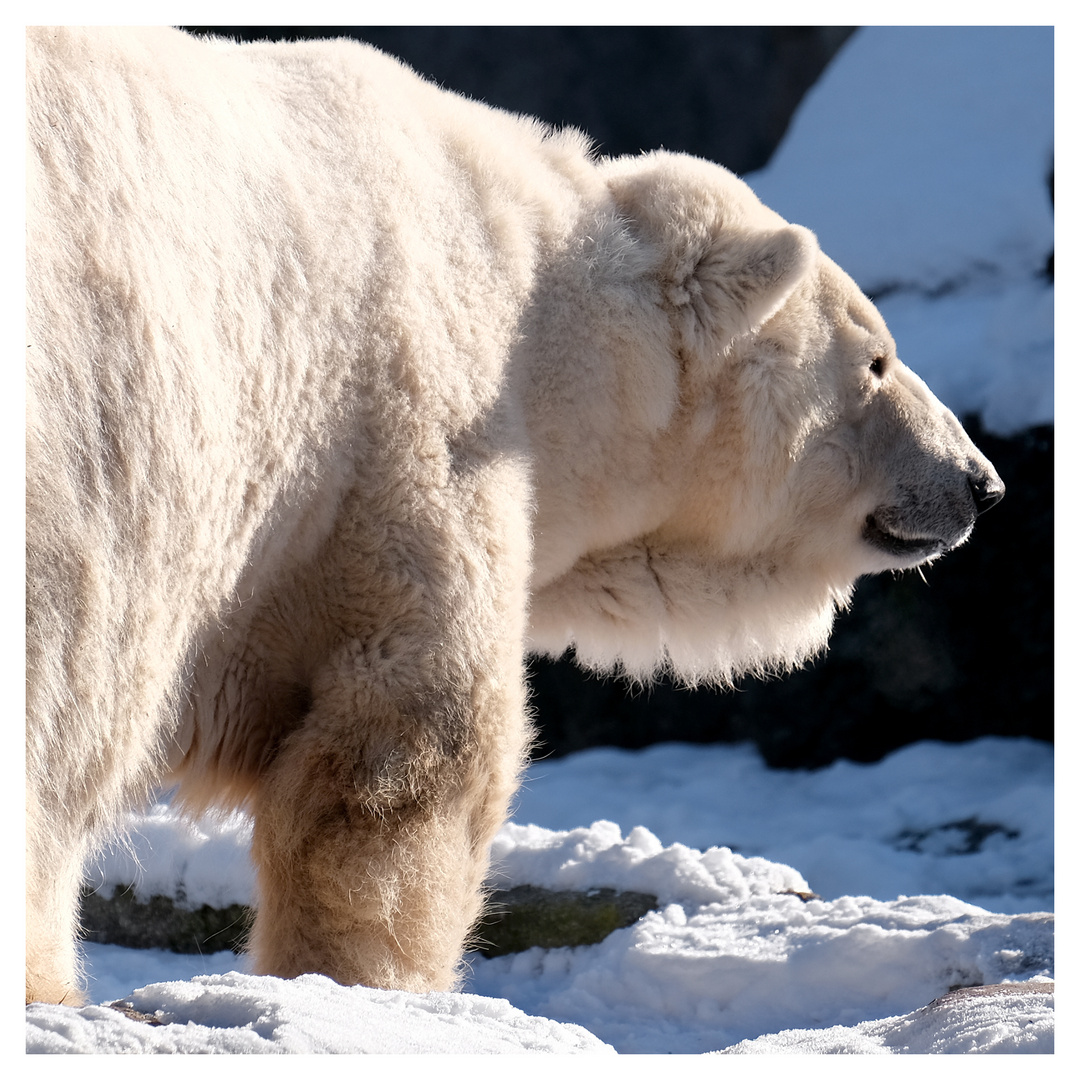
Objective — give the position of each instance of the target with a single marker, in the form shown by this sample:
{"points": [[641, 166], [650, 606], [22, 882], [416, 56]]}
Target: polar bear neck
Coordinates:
{"points": [[641, 610]]}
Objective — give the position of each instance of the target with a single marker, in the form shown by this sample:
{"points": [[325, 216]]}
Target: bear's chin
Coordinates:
{"points": [[903, 552], [910, 550]]}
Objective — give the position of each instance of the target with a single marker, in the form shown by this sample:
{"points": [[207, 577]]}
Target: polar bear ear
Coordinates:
{"points": [[724, 262], [736, 279]]}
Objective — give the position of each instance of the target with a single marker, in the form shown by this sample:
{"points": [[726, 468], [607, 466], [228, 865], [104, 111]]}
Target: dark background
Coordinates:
{"points": [[968, 651], [725, 93]]}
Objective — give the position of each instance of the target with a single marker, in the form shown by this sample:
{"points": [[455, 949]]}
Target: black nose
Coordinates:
{"points": [[987, 490]]}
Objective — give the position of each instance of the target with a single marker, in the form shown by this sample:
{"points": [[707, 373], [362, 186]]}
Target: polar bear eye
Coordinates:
{"points": [[877, 367]]}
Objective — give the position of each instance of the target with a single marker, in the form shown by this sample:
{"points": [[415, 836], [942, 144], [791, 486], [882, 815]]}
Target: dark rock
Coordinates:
{"points": [[517, 919], [160, 923], [129, 1010], [963, 837], [525, 916]]}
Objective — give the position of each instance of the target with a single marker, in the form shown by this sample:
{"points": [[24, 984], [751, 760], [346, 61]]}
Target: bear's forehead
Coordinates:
{"points": [[849, 307]]}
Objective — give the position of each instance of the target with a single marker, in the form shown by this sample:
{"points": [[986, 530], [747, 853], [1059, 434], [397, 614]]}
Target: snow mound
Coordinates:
{"points": [[1007, 1019], [259, 1014], [748, 954], [600, 857]]}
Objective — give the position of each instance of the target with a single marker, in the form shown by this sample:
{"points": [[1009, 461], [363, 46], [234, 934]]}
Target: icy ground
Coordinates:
{"points": [[921, 159]]}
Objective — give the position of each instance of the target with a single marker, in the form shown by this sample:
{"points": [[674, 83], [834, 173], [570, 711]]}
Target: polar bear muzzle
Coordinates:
{"points": [[913, 534]]}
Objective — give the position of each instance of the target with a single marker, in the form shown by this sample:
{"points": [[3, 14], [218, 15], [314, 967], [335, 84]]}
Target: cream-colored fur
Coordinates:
{"points": [[342, 392]]}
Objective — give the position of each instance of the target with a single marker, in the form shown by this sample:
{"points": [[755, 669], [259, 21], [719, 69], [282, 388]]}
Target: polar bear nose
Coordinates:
{"points": [[987, 490]]}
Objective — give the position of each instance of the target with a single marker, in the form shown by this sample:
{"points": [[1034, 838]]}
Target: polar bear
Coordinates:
{"points": [[343, 392]]}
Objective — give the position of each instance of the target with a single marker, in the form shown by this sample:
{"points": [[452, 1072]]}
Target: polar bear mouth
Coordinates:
{"points": [[908, 548]]}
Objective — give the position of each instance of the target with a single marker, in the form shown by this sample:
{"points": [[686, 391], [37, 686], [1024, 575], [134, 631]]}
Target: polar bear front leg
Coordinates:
{"points": [[374, 816], [372, 829]]}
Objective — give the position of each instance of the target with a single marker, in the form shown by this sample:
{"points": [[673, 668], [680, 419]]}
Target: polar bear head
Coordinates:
{"points": [[736, 441]]}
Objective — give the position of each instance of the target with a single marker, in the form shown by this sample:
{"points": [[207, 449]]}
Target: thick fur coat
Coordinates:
{"points": [[342, 393]]}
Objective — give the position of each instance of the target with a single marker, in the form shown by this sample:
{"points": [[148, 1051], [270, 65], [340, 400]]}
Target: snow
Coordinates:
{"points": [[852, 830], [203, 862], [1004, 1023], [236, 1013], [738, 950], [734, 951], [920, 159], [936, 142]]}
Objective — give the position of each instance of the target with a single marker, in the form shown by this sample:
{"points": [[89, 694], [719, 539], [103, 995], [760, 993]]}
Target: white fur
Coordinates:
{"points": [[341, 389]]}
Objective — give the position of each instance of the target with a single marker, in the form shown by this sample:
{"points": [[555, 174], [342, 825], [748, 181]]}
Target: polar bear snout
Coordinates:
{"points": [[920, 527], [986, 489]]}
